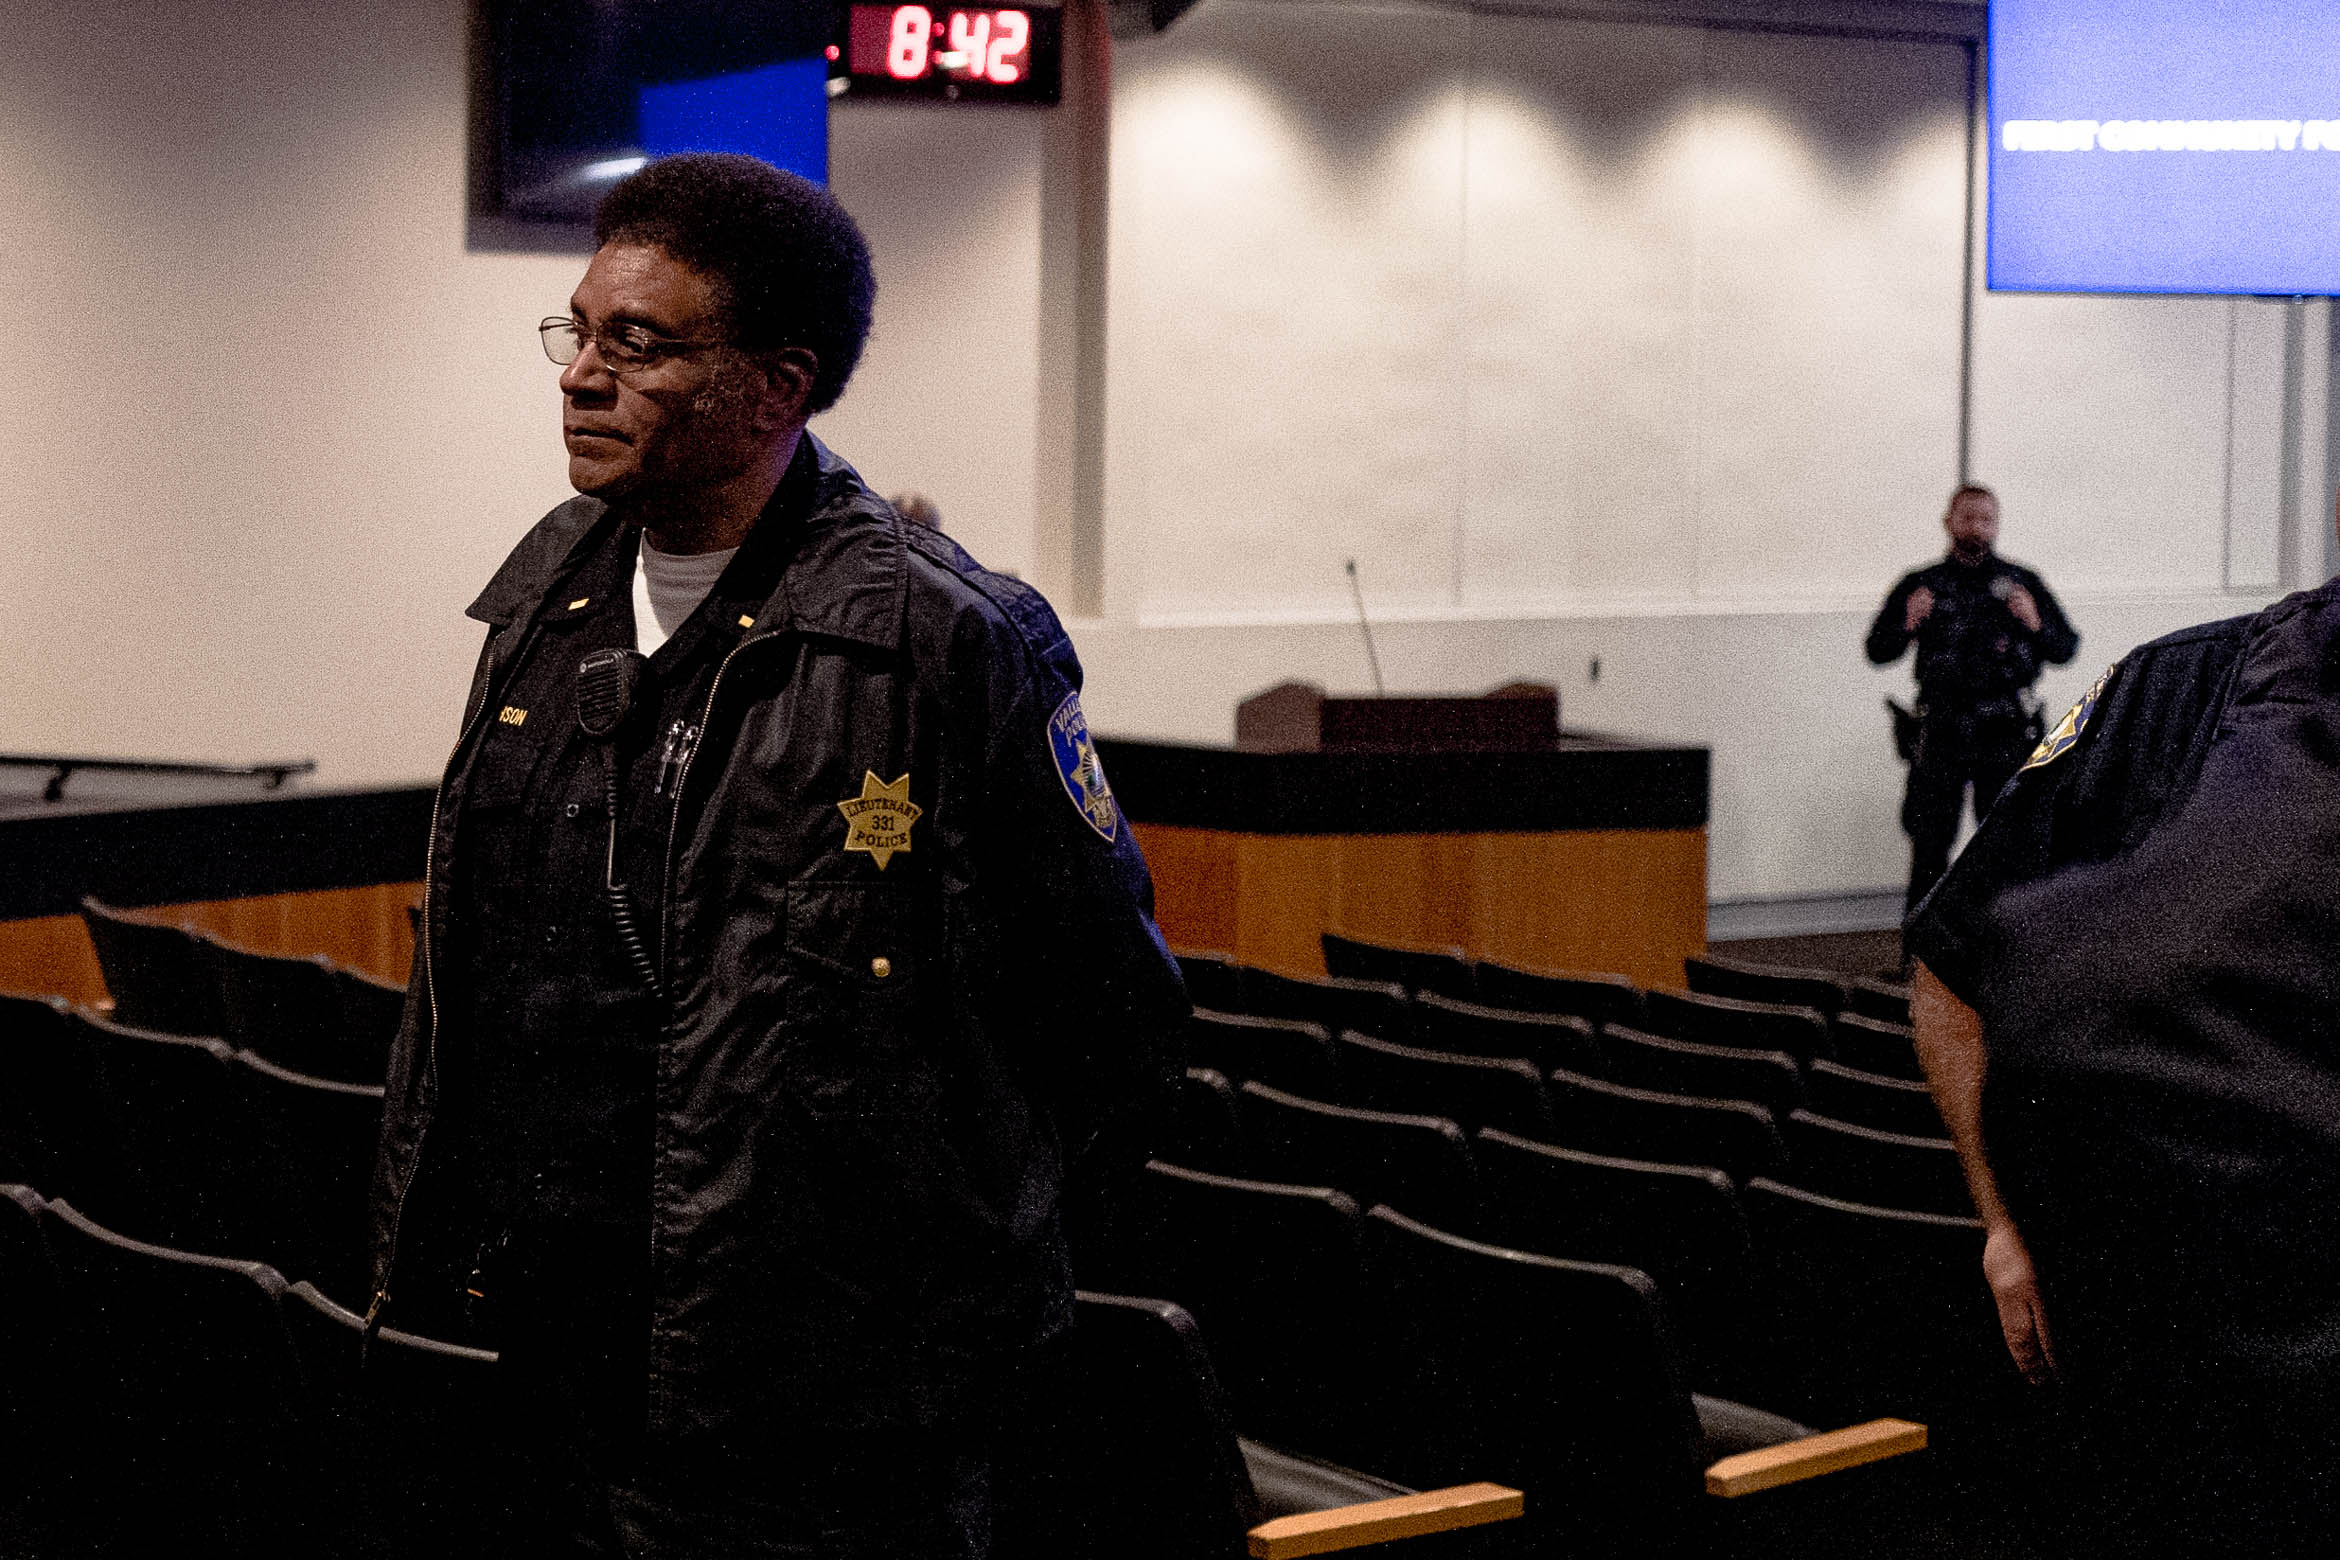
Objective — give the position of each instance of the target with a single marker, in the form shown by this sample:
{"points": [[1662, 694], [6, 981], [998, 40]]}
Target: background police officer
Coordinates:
{"points": [[1983, 627]]}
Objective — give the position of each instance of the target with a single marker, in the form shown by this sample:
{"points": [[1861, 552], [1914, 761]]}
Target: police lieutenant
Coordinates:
{"points": [[785, 946], [1983, 627]]}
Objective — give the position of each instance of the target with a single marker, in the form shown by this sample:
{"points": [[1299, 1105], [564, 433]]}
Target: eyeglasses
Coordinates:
{"points": [[625, 347]]}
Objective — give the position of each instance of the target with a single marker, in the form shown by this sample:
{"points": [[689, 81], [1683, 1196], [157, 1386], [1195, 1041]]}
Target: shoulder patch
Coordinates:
{"points": [[1077, 766], [2067, 731]]}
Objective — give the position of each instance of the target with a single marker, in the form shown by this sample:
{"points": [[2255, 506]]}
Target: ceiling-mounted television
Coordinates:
{"points": [[569, 96], [2170, 146]]}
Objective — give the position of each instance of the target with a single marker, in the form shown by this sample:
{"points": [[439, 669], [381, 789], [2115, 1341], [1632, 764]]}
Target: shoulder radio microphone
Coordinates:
{"points": [[606, 680]]}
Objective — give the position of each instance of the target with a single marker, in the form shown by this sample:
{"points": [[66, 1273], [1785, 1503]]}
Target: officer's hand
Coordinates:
{"points": [[2025, 609], [2015, 1286], [1921, 603]]}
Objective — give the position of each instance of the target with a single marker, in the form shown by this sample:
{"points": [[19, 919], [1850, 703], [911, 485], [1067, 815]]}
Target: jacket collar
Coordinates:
{"points": [[847, 580]]}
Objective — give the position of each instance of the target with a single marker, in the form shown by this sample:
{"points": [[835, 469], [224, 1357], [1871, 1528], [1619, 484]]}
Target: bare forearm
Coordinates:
{"points": [[1950, 1048]]}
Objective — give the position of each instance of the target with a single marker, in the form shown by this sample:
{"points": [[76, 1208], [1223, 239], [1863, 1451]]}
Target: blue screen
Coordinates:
{"points": [[2165, 146], [779, 113]]}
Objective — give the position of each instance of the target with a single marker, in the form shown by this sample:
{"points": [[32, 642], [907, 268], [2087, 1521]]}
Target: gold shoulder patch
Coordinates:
{"points": [[2067, 731]]}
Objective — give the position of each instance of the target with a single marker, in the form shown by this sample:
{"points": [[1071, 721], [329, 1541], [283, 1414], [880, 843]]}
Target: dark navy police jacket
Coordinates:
{"points": [[2149, 926], [1971, 651], [871, 1078]]}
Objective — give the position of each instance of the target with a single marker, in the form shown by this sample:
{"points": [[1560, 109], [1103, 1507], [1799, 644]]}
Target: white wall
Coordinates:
{"points": [[1587, 340], [1618, 341]]}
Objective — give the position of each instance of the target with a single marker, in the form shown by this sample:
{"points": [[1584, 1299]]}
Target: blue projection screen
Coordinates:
{"points": [[2165, 146]]}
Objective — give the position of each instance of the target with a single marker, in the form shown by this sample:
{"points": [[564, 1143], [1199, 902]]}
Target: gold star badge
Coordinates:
{"points": [[878, 820]]}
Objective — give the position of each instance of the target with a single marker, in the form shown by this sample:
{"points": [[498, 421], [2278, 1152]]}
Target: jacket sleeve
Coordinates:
{"points": [[1887, 636], [2057, 640], [2139, 736], [1079, 958]]}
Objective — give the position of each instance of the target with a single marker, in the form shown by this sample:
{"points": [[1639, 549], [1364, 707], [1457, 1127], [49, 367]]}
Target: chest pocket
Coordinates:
{"points": [[508, 756], [856, 978]]}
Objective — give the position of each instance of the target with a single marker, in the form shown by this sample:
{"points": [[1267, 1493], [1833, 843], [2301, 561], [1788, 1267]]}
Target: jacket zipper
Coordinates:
{"points": [[381, 1300], [682, 777]]}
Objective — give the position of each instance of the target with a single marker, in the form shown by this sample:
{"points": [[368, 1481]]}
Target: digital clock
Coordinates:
{"points": [[1000, 54]]}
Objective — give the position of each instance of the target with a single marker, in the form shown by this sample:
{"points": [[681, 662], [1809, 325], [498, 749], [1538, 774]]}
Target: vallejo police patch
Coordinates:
{"points": [[2059, 741], [1076, 765]]}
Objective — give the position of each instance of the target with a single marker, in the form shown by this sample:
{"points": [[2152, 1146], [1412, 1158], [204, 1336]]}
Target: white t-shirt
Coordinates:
{"points": [[668, 588]]}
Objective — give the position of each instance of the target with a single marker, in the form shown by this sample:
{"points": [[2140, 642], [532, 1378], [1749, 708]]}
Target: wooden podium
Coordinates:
{"points": [[1468, 821]]}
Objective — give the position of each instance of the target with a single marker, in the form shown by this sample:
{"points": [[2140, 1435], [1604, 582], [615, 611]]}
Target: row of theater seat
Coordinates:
{"points": [[187, 1141], [308, 1015], [160, 1399]]}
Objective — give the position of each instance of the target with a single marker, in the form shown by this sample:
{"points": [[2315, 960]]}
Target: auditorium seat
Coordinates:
{"points": [[1274, 1274], [1802, 1032], [1338, 1003], [409, 1445], [1601, 999], [1474, 1091], [1870, 1099], [181, 1147], [306, 1162], [59, 1128], [160, 976], [1289, 1053], [37, 1446], [1877, 1310], [1785, 985], [192, 1376], [1881, 1169], [1469, 1029], [286, 1009], [1446, 970], [1212, 979], [1736, 1137], [1561, 1378], [370, 1011], [1721, 1072], [1131, 1451], [1873, 1045], [1880, 999], [1204, 1134], [1420, 1164], [1680, 1224]]}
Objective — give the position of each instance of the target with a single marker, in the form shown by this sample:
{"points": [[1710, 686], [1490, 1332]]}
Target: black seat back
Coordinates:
{"points": [[1336, 1003], [1873, 1045], [1469, 1029], [1446, 971], [1286, 1052], [160, 976], [1601, 999], [1421, 1165], [310, 1160], [1275, 1276], [1680, 1224], [1204, 1134], [1870, 1099], [1716, 975], [286, 1009], [1556, 1377], [1736, 1137], [59, 1128], [1718, 1072], [1875, 1311], [1475, 1091], [1127, 1446], [370, 1011], [1879, 999], [32, 1326], [183, 1151], [1881, 1169], [1802, 1032], [1212, 979]]}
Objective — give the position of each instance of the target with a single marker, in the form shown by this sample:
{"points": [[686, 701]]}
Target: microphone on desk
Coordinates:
{"points": [[1365, 625]]}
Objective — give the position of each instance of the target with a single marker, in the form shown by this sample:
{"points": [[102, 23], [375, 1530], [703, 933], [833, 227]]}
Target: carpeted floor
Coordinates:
{"points": [[1847, 953]]}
